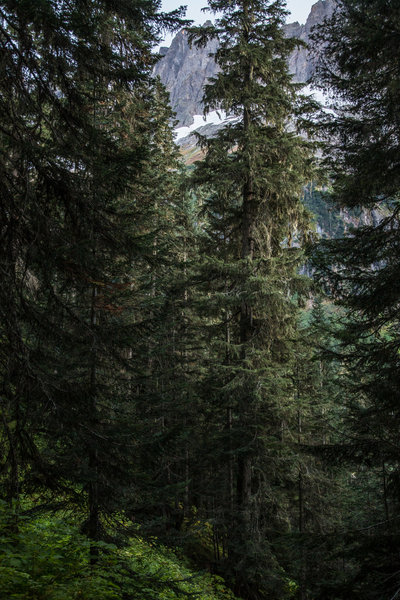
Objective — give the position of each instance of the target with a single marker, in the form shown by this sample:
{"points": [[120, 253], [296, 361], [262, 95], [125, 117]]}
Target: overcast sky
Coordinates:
{"points": [[299, 9]]}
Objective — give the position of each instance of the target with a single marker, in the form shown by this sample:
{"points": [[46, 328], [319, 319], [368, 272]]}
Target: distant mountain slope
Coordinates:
{"points": [[184, 71]]}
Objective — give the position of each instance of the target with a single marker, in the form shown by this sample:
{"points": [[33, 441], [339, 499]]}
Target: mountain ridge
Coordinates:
{"points": [[184, 70]]}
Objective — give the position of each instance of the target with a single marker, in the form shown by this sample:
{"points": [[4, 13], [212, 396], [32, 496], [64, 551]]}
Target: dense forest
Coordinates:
{"points": [[200, 395]]}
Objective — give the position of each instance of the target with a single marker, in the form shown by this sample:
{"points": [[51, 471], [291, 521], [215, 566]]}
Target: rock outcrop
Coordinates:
{"points": [[301, 63], [184, 70]]}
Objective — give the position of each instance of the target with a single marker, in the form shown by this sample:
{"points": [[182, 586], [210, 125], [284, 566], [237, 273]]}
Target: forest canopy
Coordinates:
{"points": [[199, 394]]}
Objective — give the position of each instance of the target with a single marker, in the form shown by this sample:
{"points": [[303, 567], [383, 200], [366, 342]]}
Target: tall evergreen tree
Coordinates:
{"points": [[361, 68], [251, 179], [164, 385], [79, 124]]}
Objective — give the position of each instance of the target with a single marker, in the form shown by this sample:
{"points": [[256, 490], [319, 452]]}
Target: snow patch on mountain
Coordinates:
{"points": [[325, 99], [316, 94], [216, 117]]}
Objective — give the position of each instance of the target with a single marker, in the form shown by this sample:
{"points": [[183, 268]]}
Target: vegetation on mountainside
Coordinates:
{"points": [[250, 181], [45, 558], [183, 413]]}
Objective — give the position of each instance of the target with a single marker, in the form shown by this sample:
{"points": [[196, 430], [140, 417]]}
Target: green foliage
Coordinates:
{"points": [[360, 67], [249, 289], [91, 169], [327, 216], [47, 559], [163, 375]]}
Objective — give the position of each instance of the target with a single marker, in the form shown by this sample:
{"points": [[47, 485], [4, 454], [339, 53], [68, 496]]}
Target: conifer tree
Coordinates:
{"points": [[164, 357], [251, 179], [79, 125], [317, 500], [361, 68]]}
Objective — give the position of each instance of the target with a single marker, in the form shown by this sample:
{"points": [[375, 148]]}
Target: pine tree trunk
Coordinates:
{"points": [[246, 324], [93, 523], [385, 496], [230, 461], [13, 483], [301, 505], [229, 423]]}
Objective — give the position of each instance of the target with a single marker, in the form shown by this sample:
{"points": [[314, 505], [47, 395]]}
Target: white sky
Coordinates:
{"points": [[299, 9]]}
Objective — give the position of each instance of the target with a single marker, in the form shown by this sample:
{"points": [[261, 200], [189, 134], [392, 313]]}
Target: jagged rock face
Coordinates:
{"points": [[184, 71], [301, 63]]}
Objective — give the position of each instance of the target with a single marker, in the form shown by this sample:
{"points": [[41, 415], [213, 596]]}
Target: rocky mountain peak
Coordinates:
{"points": [[301, 63], [184, 70], [320, 11]]}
